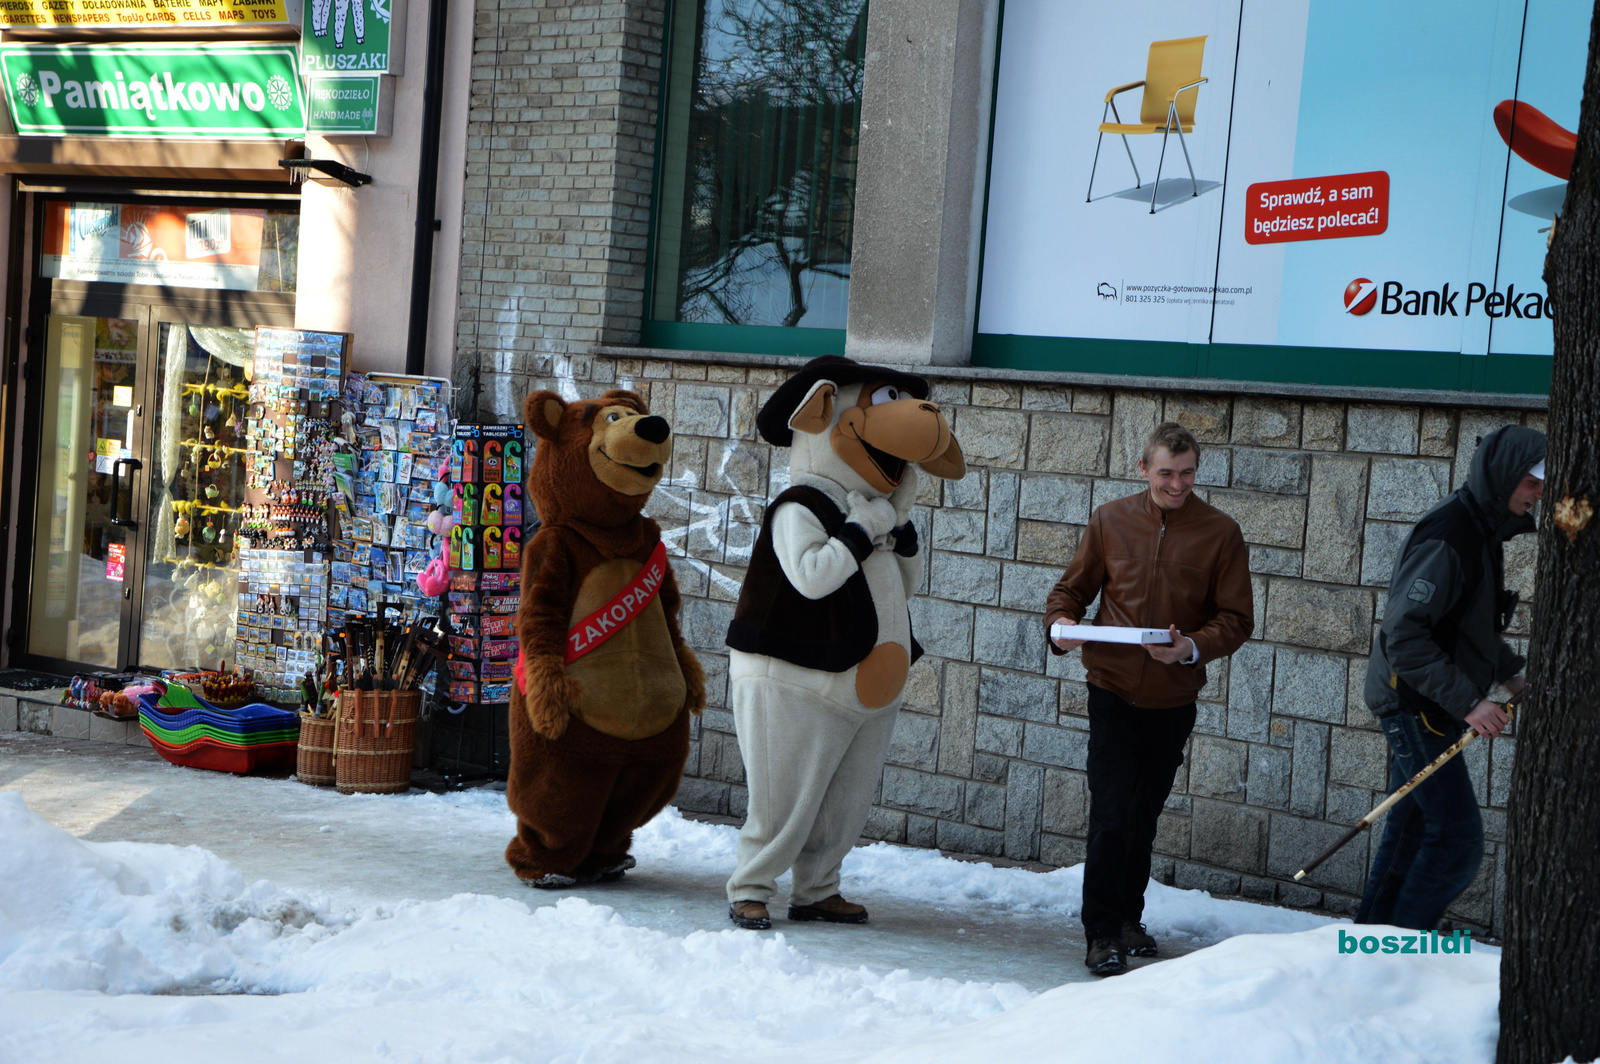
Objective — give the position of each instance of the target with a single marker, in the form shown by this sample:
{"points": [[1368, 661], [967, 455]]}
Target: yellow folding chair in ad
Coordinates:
{"points": [[1171, 86]]}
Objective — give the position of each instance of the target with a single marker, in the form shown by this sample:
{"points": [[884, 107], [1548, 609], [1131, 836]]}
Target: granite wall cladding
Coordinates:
{"points": [[989, 752]]}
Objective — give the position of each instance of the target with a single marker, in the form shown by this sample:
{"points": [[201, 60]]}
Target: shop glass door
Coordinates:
{"points": [[86, 518], [139, 415], [199, 467]]}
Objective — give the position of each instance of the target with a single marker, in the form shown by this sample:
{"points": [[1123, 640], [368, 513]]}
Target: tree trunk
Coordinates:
{"points": [[1550, 971]]}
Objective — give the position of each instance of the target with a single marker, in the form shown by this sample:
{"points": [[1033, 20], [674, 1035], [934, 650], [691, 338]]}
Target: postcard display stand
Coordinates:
{"points": [[286, 533], [388, 486], [486, 469]]}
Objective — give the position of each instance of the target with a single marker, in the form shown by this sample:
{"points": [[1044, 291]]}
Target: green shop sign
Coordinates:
{"points": [[348, 106], [347, 36], [196, 90]]}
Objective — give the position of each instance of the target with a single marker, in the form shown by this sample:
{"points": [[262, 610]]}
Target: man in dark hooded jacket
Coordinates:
{"points": [[1437, 654]]}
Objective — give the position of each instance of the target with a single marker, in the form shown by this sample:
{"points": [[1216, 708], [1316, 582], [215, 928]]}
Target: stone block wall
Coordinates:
{"points": [[988, 755]]}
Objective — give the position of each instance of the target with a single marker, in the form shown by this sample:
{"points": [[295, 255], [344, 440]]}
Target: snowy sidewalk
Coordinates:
{"points": [[290, 923], [424, 847]]}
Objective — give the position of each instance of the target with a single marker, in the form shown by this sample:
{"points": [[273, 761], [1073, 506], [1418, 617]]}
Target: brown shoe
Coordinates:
{"points": [[1136, 942], [832, 909], [750, 915]]}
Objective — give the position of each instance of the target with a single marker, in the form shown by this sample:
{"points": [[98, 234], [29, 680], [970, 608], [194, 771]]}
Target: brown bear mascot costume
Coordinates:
{"points": [[605, 683]]}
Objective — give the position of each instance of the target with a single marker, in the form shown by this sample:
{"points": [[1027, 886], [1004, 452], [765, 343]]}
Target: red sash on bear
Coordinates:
{"points": [[611, 618], [627, 604]]}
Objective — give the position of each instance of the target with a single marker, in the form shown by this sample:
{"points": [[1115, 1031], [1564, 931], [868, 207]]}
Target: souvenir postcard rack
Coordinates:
{"points": [[285, 531], [390, 479]]}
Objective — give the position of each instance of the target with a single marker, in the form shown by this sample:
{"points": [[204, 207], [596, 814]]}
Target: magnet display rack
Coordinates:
{"points": [[489, 462], [486, 469], [286, 528]]}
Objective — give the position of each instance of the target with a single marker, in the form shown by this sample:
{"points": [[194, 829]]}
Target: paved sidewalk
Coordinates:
{"points": [[310, 838]]}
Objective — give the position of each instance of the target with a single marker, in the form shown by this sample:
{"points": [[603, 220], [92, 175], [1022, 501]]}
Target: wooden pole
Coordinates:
{"points": [[1406, 788]]}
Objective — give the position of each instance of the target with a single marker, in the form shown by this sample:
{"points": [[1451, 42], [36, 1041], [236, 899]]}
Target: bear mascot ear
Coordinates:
{"points": [[622, 395], [542, 412], [815, 412]]}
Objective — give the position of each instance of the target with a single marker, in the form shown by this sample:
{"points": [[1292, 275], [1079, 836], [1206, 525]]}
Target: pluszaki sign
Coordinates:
{"points": [[246, 90], [347, 36]]}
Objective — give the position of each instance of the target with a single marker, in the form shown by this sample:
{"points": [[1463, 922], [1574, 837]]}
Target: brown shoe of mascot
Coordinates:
{"points": [[605, 684]]}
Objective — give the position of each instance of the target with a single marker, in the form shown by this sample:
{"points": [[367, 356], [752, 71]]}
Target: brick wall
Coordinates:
{"points": [[988, 755], [560, 157]]}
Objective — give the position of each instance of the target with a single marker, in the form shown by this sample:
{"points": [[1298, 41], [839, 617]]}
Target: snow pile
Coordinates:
{"points": [[470, 978], [103, 944], [127, 918], [1272, 999]]}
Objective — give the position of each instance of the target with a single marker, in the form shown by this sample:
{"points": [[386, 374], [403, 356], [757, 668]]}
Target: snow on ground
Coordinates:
{"points": [[926, 876], [153, 953]]}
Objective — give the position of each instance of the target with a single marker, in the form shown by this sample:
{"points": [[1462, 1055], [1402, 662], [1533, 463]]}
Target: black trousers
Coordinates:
{"points": [[1134, 754]]}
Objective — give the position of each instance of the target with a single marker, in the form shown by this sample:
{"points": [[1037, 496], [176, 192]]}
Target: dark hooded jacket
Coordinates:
{"points": [[1439, 647]]}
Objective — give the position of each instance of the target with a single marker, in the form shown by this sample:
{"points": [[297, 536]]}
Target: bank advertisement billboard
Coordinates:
{"points": [[1347, 176]]}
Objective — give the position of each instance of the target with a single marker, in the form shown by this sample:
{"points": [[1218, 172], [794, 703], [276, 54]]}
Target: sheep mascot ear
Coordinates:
{"points": [[815, 413]]}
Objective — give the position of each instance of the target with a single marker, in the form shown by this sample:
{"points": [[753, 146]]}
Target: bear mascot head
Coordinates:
{"points": [[597, 461]]}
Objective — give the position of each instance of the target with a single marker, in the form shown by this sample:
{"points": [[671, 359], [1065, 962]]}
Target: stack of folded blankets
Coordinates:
{"points": [[187, 730]]}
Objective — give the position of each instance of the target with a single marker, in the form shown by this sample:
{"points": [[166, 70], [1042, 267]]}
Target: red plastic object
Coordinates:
{"points": [[220, 757], [1536, 137]]}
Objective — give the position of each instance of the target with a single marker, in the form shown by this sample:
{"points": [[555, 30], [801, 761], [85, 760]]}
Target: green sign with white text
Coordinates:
{"points": [[342, 105], [346, 36], [189, 91]]}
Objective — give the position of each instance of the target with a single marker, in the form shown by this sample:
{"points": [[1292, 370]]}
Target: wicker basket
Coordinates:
{"points": [[314, 762], [377, 739]]}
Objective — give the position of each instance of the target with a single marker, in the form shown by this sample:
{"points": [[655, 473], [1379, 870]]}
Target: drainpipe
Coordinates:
{"points": [[427, 189]]}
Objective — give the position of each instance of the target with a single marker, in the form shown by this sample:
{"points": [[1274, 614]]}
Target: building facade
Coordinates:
{"points": [[176, 179], [689, 199], [692, 197]]}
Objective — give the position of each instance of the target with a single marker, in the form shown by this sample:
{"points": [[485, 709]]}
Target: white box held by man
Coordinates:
{"points": [[1109, 633]]}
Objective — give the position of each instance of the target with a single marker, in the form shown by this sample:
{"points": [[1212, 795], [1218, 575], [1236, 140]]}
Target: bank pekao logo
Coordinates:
{"points": [[27, 89], [279, 93], [1360, 296]]}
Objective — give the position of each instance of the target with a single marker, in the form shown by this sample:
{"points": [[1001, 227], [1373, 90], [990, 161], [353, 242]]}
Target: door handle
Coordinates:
{"points": [[116, 491]]}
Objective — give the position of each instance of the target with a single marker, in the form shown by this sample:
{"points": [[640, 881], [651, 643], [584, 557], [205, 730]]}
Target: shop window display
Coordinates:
{"points": [[197, 498]]}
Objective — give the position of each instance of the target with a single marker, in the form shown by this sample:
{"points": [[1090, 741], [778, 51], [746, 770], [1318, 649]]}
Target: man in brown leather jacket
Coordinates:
{"points": [[1158, 559]]}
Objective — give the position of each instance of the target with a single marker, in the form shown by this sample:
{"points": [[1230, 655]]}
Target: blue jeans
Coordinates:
{"points": [[1433, 838]]}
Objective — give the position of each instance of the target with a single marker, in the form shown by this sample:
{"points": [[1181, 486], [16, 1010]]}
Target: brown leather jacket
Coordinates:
{"points": [[1153, 568]]}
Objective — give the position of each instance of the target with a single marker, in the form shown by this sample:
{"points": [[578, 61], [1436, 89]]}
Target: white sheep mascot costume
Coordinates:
{"points": [[820, 643]]}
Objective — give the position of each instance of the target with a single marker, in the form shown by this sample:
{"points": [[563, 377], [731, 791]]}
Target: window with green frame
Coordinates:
{"points": [[755, 192]]}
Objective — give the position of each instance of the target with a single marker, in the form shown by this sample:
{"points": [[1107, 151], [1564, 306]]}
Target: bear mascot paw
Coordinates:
{"points": [[548, 694]]}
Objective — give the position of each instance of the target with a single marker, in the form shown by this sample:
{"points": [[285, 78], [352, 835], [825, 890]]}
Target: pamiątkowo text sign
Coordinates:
{"points": [[195, 90]]}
